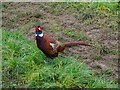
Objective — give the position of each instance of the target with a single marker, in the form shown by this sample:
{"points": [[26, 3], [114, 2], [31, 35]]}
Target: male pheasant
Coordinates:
{"points": [[51, 47]]}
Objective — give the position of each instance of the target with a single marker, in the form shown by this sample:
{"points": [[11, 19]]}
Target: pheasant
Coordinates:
{"points": [[51, 47]]}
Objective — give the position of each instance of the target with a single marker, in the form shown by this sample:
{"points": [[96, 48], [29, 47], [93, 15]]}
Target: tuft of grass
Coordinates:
{"points": [[108, 8], [56, 27], [97, 57], [39, 15], [37, 23], [24, 66], [102, 49], [3, 5], [80, 36], [115, 51], [24, 28]]}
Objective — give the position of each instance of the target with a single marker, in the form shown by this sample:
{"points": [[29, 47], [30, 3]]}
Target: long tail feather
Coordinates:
{"points": [[69, 44]]}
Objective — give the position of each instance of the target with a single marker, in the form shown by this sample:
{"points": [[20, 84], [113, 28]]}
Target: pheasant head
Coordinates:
{"points": [[39, 31]]}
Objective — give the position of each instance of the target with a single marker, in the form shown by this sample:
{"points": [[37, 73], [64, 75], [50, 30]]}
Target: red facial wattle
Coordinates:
{"points": [[37, 29]]}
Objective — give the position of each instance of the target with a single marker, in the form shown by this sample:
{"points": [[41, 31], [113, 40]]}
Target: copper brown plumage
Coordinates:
{"points": [[51, 47]]}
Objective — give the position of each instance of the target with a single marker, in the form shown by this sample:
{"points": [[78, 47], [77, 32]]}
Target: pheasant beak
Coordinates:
{"points": [[41, 28]]}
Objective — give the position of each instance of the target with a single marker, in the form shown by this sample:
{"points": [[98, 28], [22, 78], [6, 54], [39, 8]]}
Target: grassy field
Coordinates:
{"points": [[25, 66]]}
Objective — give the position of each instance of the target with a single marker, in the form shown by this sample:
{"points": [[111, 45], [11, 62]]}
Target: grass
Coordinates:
{"points": [[69, 32], [102, 49], [25, 66], [72, 33], [102, 8], [56, 27]]}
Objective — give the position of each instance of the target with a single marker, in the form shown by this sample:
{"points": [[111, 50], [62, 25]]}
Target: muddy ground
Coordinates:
{"points": [[100, 30]]}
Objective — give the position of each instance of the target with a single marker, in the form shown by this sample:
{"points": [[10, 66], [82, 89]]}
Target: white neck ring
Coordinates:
{"points": [[40, 35]]}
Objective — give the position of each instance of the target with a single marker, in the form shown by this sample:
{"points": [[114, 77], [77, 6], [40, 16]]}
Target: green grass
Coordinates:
{"points": [[102, 49], [26, 66], [72, 33], [101, 8], [56, 27]]}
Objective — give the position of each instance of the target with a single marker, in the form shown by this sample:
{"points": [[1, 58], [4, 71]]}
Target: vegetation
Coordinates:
{"points": [[25, 66]]}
